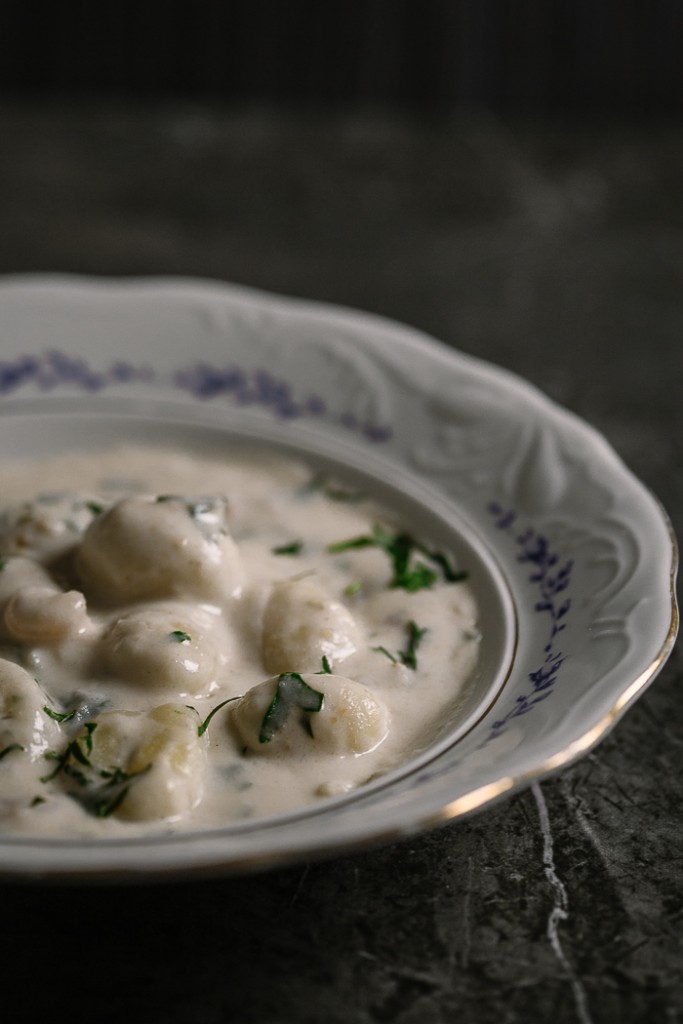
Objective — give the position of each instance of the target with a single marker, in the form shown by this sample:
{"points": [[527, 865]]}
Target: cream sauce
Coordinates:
{"points": [[189, 641]]}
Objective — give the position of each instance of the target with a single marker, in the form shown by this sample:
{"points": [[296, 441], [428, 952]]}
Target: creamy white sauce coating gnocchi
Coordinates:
{"points": [[191, 640]]}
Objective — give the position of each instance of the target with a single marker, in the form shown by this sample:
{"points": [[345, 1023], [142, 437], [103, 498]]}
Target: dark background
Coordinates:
{"points": [[512, 57], [507, 177]]}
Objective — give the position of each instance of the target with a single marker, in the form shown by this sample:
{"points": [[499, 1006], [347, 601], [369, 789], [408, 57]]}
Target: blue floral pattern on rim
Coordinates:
{"points": [[202, 381], [56, 368], [552, 580], [261, 388]]}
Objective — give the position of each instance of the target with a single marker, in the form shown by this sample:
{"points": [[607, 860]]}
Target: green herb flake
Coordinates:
{"points": [[59, 716], [292, 692], [415, 638], [332, 490], [8, 750], [386, 653], [419, 578], [408, 573], [104, 798], [450, 574], [201, 729], [89, 728], [105, 805], [293, 548], [61, 759], [72, 752], [306, 725], [326, 670], [180, 636], [350, 545], [97, 797], [200, 508], [109, 796], [407, 657]]}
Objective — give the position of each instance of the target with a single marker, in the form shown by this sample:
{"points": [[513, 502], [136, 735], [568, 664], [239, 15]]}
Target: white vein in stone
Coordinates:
{"points": [[586, 827], [560, 909]]}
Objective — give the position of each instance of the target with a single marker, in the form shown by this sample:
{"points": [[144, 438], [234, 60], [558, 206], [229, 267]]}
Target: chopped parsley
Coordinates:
{"points": [[332, 490], [415, 637], [201, 729], [180, 636], [292, 692], [350, 545], [407, 657], [110, 794], [293, 548], [73, 752], [326, 670], [59, 716], [207, 513], [8, 750], [450, 573], [410, 571], [382, 650], [98, 798]]}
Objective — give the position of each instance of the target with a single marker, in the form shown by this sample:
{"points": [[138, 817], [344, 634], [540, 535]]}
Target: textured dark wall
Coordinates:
{"points": [[508, 56]]}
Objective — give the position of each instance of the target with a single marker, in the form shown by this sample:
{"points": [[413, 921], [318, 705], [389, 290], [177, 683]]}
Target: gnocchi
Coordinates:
{"points": [[164, 650], [348, 718], [45, 614], [157, 757], [172, 660], [153, 547], [302, 625], [24, 722]]}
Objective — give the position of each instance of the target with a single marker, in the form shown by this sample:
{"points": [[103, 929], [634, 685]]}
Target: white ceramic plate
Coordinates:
{"points": [[572, 559]]}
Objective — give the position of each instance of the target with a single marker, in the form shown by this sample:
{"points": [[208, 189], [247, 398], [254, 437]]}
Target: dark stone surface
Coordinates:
{"points": [[555, 250]]}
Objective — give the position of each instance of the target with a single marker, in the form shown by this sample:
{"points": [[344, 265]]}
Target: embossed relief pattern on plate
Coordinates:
{"points": [[488, 441]]}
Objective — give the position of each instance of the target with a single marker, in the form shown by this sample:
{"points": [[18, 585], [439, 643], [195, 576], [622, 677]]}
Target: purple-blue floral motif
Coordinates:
{"points": [[260, 387], [54, 368], [201, 380], [552, 580]]}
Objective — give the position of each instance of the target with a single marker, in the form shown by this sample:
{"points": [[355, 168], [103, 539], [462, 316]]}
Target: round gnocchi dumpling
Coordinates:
{"points": [[44, 616], [164, 649], [158, 758], [16, 572], [48, 526], [21, 571], [24, 724], [145, 547], [294, 714], [302, 625]]}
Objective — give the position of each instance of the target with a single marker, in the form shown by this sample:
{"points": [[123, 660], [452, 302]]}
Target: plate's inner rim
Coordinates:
{"points": [[455, 522]]}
